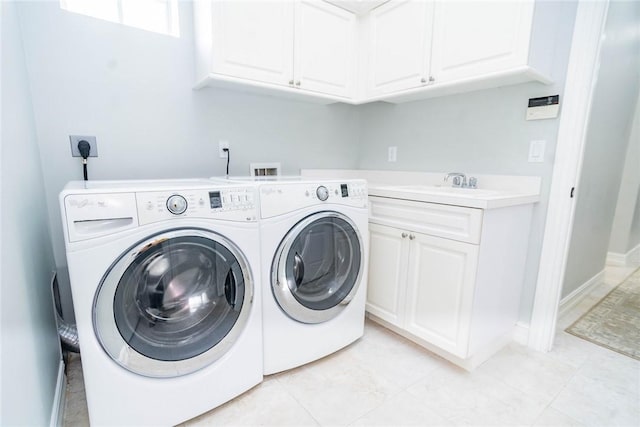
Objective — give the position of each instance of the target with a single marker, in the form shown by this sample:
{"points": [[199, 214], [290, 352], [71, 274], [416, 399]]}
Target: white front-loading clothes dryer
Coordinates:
{"points": [[314, 246], [167, 296]]}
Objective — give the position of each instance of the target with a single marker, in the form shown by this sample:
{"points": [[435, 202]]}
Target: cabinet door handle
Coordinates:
{"points": [[298, 83], [423, 80], [411, 237], [291, 81], [404, 235], [432, 79]]}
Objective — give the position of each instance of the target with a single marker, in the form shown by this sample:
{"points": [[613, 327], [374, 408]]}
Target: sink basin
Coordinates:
{"points": [[443, 190]]}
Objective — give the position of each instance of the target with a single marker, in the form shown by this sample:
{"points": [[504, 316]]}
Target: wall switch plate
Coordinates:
{"points": [[536, 151], [222, 144], [392, 154], [75, 139]]}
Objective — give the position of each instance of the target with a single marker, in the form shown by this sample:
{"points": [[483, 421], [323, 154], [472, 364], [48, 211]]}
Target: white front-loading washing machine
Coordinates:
{"points": [[167, 296], [314, 246]]}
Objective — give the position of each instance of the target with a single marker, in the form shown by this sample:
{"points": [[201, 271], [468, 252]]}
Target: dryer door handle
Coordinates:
{"points": [[298, 269]]}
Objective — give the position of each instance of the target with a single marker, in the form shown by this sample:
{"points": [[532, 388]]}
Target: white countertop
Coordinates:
{"points": [[494, 191]]}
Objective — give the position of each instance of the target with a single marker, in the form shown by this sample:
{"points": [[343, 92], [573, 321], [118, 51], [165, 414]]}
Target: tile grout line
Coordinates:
{"points": [[286, 389]]}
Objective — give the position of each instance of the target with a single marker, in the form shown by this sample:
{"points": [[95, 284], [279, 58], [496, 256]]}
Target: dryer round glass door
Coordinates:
{"points": [[174, 303], [317, 268]]}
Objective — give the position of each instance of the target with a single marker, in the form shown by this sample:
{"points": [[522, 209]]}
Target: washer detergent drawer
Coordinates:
{"points": [[95, 215]]}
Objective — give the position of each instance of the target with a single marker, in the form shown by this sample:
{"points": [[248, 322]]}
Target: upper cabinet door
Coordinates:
{"points": [[471, 38], [400, 43], [253, 40], [325, 48]]}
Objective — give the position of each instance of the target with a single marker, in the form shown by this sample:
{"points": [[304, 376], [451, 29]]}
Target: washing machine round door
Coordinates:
{"points": [[173, 303], [317, 268]]}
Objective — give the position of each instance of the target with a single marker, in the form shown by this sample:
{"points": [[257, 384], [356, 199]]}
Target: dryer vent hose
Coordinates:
{"points": [[67, 332]]}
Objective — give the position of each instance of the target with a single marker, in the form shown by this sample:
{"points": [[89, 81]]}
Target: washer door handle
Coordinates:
{"points": [[230, 289], [298, 269]]}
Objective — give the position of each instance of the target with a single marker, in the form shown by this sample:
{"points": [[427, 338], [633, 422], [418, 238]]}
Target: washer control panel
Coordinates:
{"points": [[234, 204]]}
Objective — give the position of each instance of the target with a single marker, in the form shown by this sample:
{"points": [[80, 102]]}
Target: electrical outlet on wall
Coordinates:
{"points": [[222, 144], [392, 154], [75, 139]]}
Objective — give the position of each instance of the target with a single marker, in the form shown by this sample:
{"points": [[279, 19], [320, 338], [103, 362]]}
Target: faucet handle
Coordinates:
{"points": [[473, 182], [453, 174]]}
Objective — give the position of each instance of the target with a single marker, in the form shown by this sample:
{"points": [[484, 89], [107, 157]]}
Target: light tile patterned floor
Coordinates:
{"points": [[385, 380]]}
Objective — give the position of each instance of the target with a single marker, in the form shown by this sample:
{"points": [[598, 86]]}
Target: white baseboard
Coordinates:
{"points": [[615, 259], [624, 260], [574, 298], [521, 333], [633, 256], [57, 409]]}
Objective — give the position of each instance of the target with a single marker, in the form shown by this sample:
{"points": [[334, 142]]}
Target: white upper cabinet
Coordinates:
{"points": [[402, 50], [471, 38], [325, 51], [399, 43], [253, 40], [421, 49], [299, 47]]}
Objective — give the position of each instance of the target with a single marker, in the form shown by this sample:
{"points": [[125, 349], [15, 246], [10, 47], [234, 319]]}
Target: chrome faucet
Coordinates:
{"points": [[460, 180]]}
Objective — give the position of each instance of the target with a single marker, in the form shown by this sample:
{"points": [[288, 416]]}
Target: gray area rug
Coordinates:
{"points": [[614, 322]]}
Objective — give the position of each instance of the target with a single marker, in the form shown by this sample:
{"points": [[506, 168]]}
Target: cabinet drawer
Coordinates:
{"points": [[452, 222]]}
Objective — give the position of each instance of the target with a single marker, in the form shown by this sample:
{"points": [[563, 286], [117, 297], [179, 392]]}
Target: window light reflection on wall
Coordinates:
{"points": [[159, 16]]}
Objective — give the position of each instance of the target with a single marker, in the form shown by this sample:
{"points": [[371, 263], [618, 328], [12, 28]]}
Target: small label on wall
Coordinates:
{"points": [[546, 107]]}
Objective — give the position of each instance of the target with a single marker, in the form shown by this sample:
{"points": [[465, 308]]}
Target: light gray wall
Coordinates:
{"points": [[132, 89], [609, 127], [478, 132], [29, 340], [625, 234]]}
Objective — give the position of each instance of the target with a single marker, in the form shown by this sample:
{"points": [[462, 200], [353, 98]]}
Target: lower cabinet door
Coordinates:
{"points": [[388, 258], [439, 292]]}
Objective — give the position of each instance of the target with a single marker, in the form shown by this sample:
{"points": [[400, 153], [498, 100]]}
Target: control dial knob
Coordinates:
{"points": [[177, 204], [322, 193]]}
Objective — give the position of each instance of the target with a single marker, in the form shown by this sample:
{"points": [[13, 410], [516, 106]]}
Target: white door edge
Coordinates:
{"points": [[59, 402], [578, 94]]}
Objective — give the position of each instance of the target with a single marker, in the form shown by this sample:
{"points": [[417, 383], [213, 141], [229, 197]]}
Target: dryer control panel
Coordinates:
{"points": [[285, 197], [228, 203]]}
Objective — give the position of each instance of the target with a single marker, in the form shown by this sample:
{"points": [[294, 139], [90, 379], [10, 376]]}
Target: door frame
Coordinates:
{"points": [[582, 76]]}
